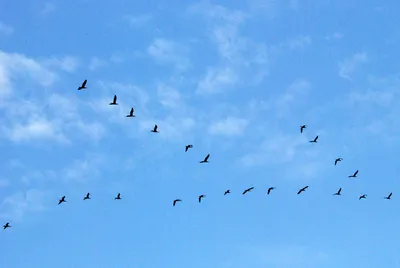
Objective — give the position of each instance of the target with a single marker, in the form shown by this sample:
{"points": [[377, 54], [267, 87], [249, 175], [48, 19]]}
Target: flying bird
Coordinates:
{"points": [[205, 159], [154, 129], [83, 86], [338, 160], [338, 192], [7, 225], [114, 102], [176, 201], [118, 197], [270, 189], [354, 175], [364, 196], [302, 190], [201, 197], [131, 113], [315, 139], [227, 192], [302, 127], [62, 200], [187, 147], [247, 190], [87, 196], [389, 196]]}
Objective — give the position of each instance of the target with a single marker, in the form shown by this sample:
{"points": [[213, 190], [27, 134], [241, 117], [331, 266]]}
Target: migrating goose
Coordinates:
{"points": [[83, 86], [205, 159]]}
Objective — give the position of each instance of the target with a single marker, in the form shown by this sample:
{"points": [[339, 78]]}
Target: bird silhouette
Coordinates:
{"points": [[131, 113], [83, 86], [87, 196], [118, 197], [205, 159], [114, 102], [227, 192], [187, 147], [338, 192], [270, 189], [154, 129], [364, 196], [302, 190], [7, 225], [62, 200], [201, 197], [247, 190], [389, 196], [338, 160], [302, 127], [354, 175], [176, 201], [315, 139]]}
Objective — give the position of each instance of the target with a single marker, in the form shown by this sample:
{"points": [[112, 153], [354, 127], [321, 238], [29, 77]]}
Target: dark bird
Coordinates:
{"points": [[176, 201], [83, 86], [187, 147], [227, 192], [7, 225], [302, 127], [315, 139], [364, 196], [87, 196], [302, 190], [270, 189], [131, 113], [247, 190], [389, 196], [114, 102], [354, 175], [118, 197], [338, 160], [62, 200], [154, 129], [205, 159], [338, 192], [200, 197]]}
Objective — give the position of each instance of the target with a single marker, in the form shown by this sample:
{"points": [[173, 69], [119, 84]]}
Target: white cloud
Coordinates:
{"points": [[298, 42], [85, 169], [335, 36], [96, 63], [349, 65], [168, 96], [67, 63], [138, 21], [231, 126], [217, 79], [6, 29], [48, 7], [294, 94], [169, 52]]}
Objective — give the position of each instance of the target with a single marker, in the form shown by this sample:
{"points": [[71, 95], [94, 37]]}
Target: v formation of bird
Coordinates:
{"points": [[205, 160]]}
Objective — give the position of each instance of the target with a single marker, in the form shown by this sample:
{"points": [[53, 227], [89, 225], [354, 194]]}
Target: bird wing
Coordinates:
{"points": [[84, 83], [355, 173], [155, 127], [390, 195], [339, 190], [316, 138], [115, 99], [205, 159]]}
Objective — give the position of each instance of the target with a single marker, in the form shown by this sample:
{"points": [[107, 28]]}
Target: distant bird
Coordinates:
{"points": [[389, 196], [176, 201], [7, 225], [154, 129], [118, 197], [338, 160], [201, 197], [354, 175], [227, 192], [187, 147], [302, 190], [205, 159], [62, 200], [247, 190], [270, 189], [315, 139], [114, 102], [87, 196], [302, 127], [83, 86], [131, 113], [364, 196], [338, 192]]}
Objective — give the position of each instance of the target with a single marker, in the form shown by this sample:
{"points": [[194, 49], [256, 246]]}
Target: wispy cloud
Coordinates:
{"points": [[48, 8], [216, 80], [96, 63], [6, 29], [138, 21], [349, 65], [65, 63], [230, 126], [335, 36]]}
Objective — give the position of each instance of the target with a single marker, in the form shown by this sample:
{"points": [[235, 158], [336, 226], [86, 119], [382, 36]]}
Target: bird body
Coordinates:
{"points": [[389, 196], [315, 140], [354, 175], [131, 113], [114, 102], [302, 127], [364, 196], [155, 129], [270, 189], [87, 196], [201, 197], [176, 201], [7, 225], [62, 200], [118, 197], [302, 190], [83, 86], [247, 190], [205, 159], [338, 192], [338, 160], [187, 147], [227, 192]]}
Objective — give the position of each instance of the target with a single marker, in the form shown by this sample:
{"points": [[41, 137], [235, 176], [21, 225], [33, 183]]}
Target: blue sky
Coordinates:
{"points": [[236, 80]]}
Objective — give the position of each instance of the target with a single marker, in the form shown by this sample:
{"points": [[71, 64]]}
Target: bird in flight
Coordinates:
{"points": [[302, 127], [62, 200], [302, 190], [354, 175], [114, 102], [315, 139], [338, 192], [201, 197], [338, 160], [247, 190], [205, 159], [131, 113], [227, 192], [187, 147], [83, 86], [87, 196], [270, 189], [176, 201], [118, 197], [7, 225], [154, 129], [364, 196], [389, 196]]}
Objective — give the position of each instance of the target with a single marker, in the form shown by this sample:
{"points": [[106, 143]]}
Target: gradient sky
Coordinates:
{"points": [[236, 79]]}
